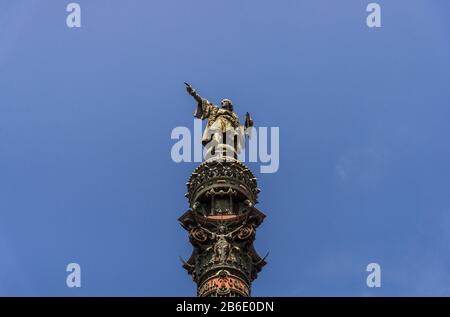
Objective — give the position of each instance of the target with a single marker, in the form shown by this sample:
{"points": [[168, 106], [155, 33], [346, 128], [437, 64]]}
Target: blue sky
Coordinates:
{"points": [[86, 115]]}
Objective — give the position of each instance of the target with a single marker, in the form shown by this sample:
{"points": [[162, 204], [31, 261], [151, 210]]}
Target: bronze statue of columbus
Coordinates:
{"points": [[221, 121]]}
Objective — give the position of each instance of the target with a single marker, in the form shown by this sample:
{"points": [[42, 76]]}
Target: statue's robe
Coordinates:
{"points": [[219, 120]]}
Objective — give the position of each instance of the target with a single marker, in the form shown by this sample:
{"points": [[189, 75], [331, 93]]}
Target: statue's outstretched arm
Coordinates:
{"points": [[193, 93]]}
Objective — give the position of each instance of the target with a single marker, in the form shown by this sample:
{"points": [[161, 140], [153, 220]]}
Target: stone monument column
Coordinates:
{"points": [[222, 218]]}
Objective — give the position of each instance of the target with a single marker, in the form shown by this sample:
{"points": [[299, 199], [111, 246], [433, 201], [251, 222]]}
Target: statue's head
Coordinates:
{"points": [[226, 104]]}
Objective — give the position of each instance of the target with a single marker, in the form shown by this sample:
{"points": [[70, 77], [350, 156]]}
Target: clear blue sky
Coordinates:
{"points": [[86, 114]]}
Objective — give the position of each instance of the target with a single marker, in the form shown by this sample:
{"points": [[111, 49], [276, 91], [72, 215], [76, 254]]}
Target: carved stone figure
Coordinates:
{"points": [[221, 249]]}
